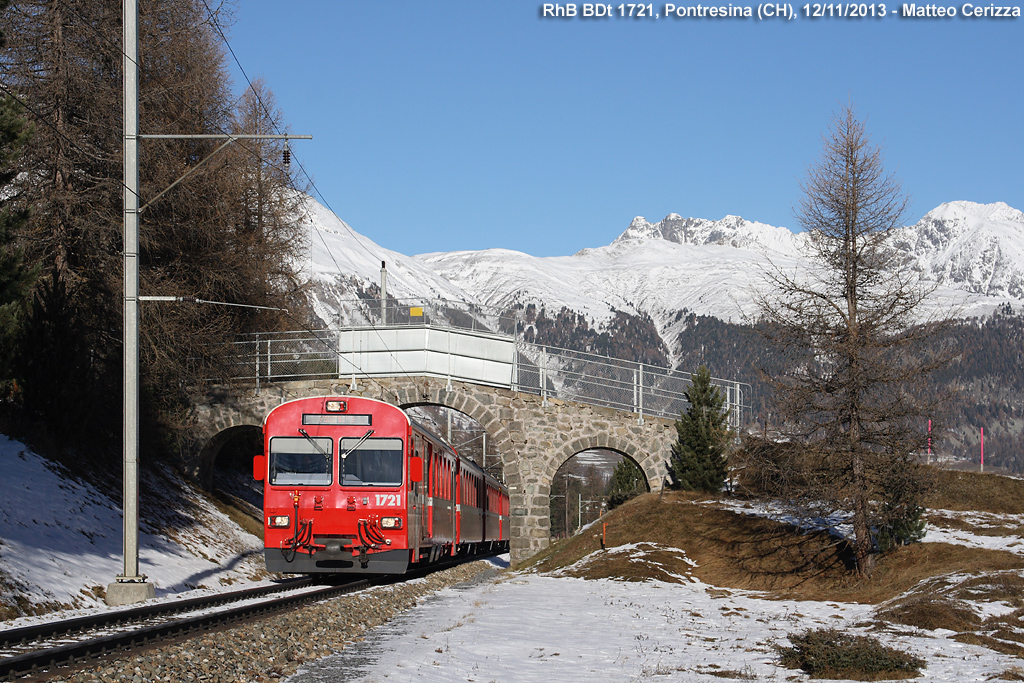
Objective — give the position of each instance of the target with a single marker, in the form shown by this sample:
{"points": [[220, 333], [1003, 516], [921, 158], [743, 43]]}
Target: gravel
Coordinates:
{"points": [[273, 649]]}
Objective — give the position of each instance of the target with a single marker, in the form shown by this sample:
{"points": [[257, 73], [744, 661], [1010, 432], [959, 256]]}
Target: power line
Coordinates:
{"points": [[266, 110], [85, 21]]}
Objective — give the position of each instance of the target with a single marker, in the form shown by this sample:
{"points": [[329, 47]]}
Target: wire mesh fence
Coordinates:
{"points": [[614, 383], [540, 370], [457, 315]]}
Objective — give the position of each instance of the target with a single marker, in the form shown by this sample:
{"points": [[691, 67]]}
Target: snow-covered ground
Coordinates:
{"points": [[525, 628], [60, 539]]}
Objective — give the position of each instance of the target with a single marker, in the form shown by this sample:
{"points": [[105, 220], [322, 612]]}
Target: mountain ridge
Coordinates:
{"points": [[973, 253]]}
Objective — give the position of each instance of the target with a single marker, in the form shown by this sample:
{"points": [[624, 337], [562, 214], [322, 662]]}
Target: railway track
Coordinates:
{"points": [[44, 648]]}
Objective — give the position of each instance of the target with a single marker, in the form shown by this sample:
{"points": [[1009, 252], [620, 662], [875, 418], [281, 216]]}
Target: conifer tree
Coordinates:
{"points": [[861, 345], [699, 456], [16, 276], [63, 60], [627, 482]]}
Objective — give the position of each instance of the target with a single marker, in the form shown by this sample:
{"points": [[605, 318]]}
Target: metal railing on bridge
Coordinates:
{"points": [[443, 313], [615, 383], [474, 355]]}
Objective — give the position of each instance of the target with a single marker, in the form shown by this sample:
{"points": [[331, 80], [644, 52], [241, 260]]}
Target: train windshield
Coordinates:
{"points": [[301, 461], [373, 462]]}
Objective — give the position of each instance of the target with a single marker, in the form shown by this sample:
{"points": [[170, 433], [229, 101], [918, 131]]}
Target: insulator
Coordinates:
{"points": [[287, 156]]}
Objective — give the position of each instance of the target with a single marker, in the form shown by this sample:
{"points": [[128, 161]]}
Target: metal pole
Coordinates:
{"points": [[640, 390], [383, 294], [257, 354], [131, 291], [544, 391], [129, 586]]}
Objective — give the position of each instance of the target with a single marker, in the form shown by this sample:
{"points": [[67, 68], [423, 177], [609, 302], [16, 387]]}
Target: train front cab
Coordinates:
{"points": [[342, 487]]}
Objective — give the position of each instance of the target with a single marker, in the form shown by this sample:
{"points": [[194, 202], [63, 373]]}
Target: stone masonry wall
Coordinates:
{"points": [[534, 437]]}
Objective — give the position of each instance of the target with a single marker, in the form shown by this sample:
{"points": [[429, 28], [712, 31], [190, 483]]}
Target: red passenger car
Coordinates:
{"points": [[353, 485]]}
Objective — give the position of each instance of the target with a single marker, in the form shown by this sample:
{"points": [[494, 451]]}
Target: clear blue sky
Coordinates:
{"points": [[470, 124]]}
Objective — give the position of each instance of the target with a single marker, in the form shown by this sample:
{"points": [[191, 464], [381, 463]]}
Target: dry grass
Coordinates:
{"points": [[972, 491], [1014, 673], [982, 524], [237, 514], [740, 551], [932, 612], [941, 602], [14, 604]]}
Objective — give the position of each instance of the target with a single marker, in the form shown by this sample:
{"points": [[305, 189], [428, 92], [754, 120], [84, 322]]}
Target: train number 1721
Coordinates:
{"points": [[389, 499]]}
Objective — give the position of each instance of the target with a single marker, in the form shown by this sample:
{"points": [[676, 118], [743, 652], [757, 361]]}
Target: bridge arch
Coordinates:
{"points": [[648, 462], [487, 415], [532, 434]]}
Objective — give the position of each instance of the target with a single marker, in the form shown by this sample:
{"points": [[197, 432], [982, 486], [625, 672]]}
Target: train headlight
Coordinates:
{"points": [[390, 522], [279, 521]]}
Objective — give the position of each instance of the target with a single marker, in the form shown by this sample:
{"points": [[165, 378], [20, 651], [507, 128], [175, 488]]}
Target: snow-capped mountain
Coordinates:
{"points": [[974, 252], [342, 263], [731, 231], [978, 248]]}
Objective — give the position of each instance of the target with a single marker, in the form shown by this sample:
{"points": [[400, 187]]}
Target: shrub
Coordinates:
{"points": [[829, 653]]}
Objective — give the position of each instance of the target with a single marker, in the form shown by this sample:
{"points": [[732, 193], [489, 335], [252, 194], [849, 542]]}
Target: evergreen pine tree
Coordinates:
{"points": [[15, 276], [699, 459], [54, 367], [627, 482]]}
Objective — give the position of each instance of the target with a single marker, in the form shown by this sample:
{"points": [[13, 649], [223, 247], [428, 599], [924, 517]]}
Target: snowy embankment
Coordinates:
{"points": [[60, 543], [61, 540], [529, 628]]}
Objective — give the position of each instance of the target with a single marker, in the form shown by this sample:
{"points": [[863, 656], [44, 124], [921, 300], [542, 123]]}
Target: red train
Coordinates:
{"points": [[354, 485]]}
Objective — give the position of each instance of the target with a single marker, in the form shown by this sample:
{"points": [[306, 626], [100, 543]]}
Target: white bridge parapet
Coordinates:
{"points": [[450, 354]]}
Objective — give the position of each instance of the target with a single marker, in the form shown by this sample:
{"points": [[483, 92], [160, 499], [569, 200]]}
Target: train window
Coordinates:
{"points": [[374, 462], [298, 461]]}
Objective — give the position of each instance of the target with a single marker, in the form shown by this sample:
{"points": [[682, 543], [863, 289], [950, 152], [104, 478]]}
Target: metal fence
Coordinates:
{"points": [[548, 372], [431, 312], [614, 383]]}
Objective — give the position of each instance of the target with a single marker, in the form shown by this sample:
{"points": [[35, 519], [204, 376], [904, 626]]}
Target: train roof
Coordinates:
{"points": [[338, 397]]}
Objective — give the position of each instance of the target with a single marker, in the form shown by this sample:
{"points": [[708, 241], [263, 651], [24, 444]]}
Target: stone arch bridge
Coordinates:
{"points": [[533, 434]]}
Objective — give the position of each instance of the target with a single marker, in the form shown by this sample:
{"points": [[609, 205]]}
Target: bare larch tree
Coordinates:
{"points": [[858, 344]]}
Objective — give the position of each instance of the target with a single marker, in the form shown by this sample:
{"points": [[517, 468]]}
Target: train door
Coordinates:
{"points": [[459, 500], [431, 489], [414, 501]]}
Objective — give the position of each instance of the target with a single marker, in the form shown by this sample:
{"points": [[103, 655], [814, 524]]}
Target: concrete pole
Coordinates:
{"points": [[131, 587]]}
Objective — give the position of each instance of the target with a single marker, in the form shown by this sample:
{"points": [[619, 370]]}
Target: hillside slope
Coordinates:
{"points": [[61, 540]]}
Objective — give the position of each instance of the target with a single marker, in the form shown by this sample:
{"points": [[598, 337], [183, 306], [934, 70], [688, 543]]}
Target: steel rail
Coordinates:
{"points": [[46, 660], [72, 653], [27, 634]]}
